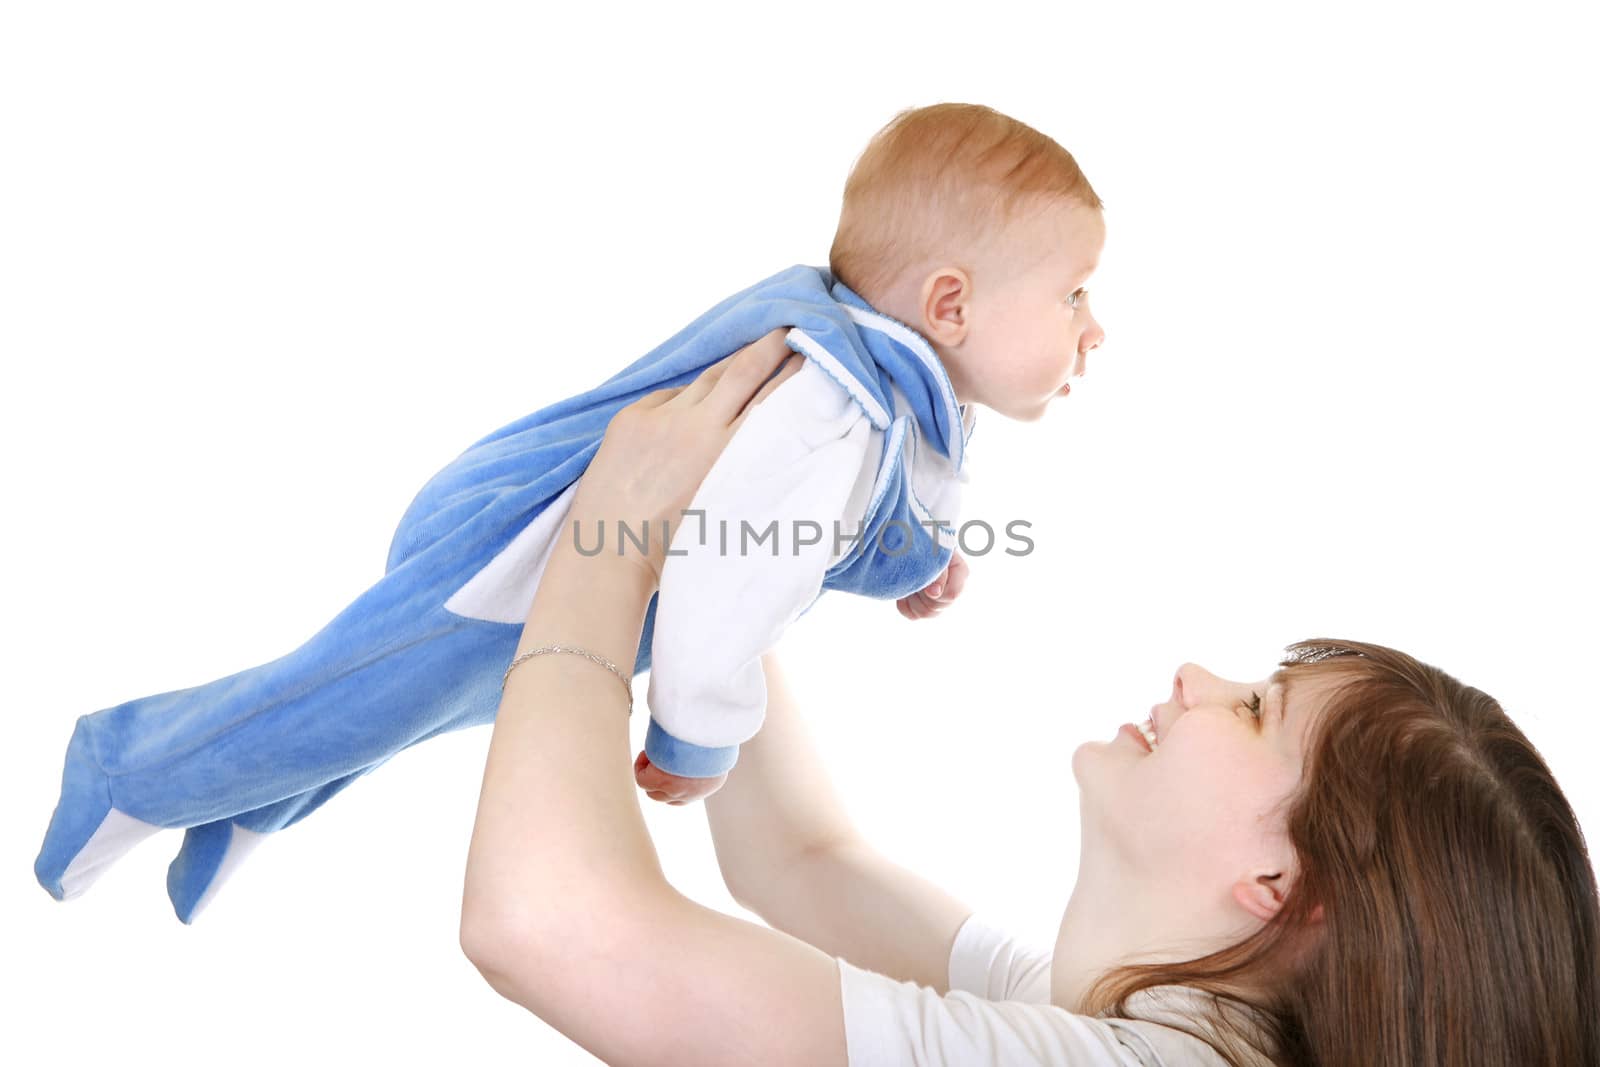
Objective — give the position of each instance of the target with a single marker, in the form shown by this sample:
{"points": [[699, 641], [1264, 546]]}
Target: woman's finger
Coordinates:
{"points": [[657, 397], [696, 390], [791, 367], [703, 383], [747, 371]]}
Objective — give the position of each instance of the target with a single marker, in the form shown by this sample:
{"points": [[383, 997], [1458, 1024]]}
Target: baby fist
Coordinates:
{"points": [[938, 593], [659, 785]]}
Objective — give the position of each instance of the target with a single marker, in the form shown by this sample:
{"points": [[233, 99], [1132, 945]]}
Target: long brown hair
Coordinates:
{"points": [[1458, 915]]}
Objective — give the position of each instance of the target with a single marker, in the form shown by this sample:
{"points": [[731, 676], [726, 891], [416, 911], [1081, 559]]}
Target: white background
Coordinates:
{"points": [[267, 268]]}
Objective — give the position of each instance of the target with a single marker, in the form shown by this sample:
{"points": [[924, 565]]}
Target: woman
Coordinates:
{"points": [[1356, 861]]}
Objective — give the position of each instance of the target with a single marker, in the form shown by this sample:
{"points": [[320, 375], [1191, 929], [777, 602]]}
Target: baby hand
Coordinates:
{"points": [[939, 592], [659, 785]]}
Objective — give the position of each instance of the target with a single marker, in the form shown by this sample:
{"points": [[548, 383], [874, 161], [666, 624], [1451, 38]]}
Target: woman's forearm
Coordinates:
{"points": [[778, 805], [565, 909], [790, 853], [559, 836]]}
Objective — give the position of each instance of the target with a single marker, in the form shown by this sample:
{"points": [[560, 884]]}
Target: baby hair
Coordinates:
{"points": [[942, 183]]}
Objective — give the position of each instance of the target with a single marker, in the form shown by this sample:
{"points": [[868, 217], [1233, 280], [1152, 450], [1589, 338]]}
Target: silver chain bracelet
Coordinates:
{"points": [[585, 653]]}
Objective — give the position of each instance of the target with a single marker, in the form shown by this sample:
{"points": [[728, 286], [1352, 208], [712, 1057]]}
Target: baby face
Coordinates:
{"points": [[1030, 328]]}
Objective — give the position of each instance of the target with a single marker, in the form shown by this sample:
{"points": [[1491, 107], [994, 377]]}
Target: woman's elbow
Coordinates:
{"points": [[499, 980], [485, 942], [499, 940], [513, 962], [807, 872], [749, 887], [531, 955]]}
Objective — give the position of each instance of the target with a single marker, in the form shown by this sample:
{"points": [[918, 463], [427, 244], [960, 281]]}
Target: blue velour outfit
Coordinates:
{"points": [[257, 751]]}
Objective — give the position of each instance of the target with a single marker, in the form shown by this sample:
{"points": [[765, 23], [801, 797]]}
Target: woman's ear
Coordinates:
{"points": [[1258, 894]]}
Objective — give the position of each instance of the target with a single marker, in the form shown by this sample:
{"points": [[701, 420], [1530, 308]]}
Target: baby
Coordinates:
{"points": [[956, 279], [973, 236]]}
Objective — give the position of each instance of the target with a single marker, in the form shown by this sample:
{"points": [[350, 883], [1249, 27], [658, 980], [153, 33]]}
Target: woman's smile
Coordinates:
{"points": [[1136, 732]]}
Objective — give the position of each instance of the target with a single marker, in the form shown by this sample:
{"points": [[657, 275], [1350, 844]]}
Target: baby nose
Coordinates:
{"points": [[1092, 338]]}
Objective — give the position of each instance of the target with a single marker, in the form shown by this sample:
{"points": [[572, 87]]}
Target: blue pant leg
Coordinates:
{"points": [[196, 755], [211, 851]]}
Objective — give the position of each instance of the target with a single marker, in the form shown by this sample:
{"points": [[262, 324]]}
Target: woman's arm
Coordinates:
{"points": [[790, 854], [565, 909]]}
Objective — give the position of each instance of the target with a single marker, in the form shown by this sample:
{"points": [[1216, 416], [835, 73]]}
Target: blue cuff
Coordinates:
{"points": [[686, 760]]}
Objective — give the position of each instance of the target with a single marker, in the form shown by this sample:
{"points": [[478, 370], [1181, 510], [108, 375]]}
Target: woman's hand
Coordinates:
{"points": [[658, 449]]}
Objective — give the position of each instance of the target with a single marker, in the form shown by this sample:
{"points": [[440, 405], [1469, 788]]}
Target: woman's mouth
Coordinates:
{"points": [[1143, 733], [1138, 736]]}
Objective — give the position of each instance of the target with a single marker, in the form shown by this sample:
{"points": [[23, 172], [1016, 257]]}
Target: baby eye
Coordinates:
{"points": [[1077, 298]]}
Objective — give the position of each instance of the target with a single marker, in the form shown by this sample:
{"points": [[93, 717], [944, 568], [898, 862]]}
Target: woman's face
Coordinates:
{"points": [[1204, 809]]}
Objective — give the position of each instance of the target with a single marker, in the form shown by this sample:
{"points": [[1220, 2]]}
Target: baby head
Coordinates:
{"points": [[980, 233]]}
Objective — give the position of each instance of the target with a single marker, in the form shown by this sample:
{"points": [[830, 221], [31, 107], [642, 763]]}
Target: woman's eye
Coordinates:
{"points": [[1254, 706]]}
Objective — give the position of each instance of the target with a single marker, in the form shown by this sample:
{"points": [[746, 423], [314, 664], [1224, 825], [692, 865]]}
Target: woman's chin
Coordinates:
{"points": [[1086, 757]]}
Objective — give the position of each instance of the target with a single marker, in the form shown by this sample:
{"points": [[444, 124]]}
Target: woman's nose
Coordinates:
{"points": [[1193, 684]]}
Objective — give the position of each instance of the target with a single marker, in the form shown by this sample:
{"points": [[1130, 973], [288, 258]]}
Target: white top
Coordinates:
{"points": [[805, 460], [998, 1012], [804, 454]]}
